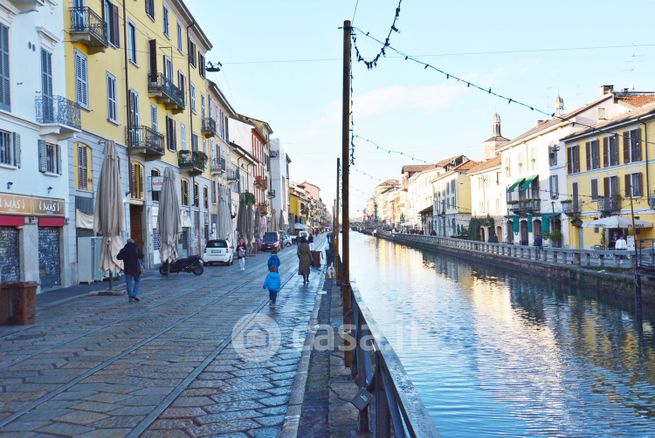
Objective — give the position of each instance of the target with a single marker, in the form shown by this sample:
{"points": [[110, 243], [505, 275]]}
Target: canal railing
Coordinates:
{"points": [[588, 258], [389, 405]]}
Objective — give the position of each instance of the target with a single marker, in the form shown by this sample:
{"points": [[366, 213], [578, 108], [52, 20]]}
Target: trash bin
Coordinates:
{"points": [[316, 259], [23, 302]]}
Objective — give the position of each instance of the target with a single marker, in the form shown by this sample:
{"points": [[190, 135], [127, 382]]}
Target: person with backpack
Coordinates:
{"points": [[274, 260], [273, 283], [241, 254], [132, 258]]}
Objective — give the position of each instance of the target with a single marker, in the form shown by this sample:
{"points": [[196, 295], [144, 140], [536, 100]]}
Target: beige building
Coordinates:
{"points": [[452, 199]]}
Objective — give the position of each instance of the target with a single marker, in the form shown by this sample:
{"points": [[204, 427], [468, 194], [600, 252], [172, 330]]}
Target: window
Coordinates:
{"points": [[185, 192], [632, 146], [150, 8], [46, 83], [168, 69], [193, 98], [110, 14], [137, 174], [213, 192], [181, 82], [205, 196], [633, 185], [601, 114], [81, 79], [533, 159], [194, 142], [610, 151], [553, 186], [202, 106], [112, 112], [84, 180], [154, 124], [167, 30], [49, 158], [5, 89], [183, 134], [611, 186], [196, 195], [9, 148], [135, 118], [552, 155], [201, 64], [192, 53], [573, 161], [131, 35], [154, 173], [179, 38], [594, 189], [593, 155], [171, 134], [508, 167]]}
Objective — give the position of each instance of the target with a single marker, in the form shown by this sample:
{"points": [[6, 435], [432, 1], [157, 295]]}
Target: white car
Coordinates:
{"points": [[218, 251]]}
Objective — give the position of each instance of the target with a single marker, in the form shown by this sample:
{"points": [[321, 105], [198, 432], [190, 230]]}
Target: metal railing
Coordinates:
{"points": [[85, 21], [146, 139], [271, 193], [273, 153], [570, 208], [196, 161], [167, 89], [217, 165], [233, 175], [58, 109], [389, 405], [609, 204], [209, 127]]}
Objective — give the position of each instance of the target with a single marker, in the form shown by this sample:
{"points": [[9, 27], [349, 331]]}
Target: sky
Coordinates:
{"points": [[282, 62]]}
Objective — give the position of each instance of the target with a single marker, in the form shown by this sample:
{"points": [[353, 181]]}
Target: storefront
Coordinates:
{"points": [[24, 221]]}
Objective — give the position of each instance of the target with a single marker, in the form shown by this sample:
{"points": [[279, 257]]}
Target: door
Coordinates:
{"points": [[46, 86], [49, 260], [168, 69], [9, 254], [510, 232], [136, 224], [78, 15], [524, 232]]}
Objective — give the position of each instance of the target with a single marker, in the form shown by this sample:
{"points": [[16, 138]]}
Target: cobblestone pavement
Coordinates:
{"points": [[99, 366]]}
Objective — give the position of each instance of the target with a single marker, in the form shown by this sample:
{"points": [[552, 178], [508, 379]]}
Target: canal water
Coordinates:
{"points": [[496, 353]]}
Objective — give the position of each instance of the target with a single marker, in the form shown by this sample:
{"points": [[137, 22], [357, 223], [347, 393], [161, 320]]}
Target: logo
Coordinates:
{"points": [[256, 337]]}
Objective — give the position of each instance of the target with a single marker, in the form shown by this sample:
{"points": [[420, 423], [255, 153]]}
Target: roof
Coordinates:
{"points": [[635, 98], [485, 165], [414, 168], [496, 138], [222, 98], [646, 111], [447, 161], [426, 210], [466, 166]]}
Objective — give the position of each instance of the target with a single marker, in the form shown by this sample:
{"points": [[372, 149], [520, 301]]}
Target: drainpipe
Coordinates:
{"points": [[647, 170], [127, 100]]}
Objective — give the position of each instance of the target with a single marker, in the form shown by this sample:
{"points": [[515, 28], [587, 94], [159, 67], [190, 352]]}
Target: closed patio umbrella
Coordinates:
{"points": [[616, 222], [242, 220], [257, 226], [109, 213], [281, 222], [168, 218], [224, 214]]}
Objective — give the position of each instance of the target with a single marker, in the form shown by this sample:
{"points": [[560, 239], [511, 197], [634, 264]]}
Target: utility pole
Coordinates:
{"points": [[635, 269], [336, 239], [345, 181]]}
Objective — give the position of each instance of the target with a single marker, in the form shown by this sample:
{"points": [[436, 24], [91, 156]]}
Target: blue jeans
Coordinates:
{"points": [[133, 291], [272, 295]]}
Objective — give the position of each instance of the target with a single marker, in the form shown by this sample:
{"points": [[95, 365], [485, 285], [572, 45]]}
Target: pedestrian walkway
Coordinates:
{"points": [[99, 366]]}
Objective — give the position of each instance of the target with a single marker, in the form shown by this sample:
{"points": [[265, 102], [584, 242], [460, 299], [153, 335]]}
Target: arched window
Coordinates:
{"points": [[83, 167], [185, 192], [196, 195], [205, 196]]}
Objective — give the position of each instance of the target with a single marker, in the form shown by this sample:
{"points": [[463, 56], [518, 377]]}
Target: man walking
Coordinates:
{"points": [[132, 258]]}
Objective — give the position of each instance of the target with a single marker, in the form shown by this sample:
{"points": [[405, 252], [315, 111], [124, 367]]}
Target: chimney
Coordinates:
{"points": [[606, 89]]}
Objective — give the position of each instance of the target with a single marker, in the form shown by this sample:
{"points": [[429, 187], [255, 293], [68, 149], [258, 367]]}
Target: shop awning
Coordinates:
{"points": [[528, 182], [511, 188]]}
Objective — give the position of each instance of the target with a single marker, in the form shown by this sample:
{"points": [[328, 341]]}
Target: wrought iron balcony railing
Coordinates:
{"points": [[261, 182], [271, 193], [273, 153], [88, 28], [571, 208], [609, 204], [166, 92], [217, 166], [233, 175], [59, 110], [146, 141], [208, 127], [195, 162]]}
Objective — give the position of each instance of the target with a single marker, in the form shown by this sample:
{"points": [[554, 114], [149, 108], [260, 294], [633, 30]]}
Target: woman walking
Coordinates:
{"points": [[304, 260], [131, 256], [241, 254]]}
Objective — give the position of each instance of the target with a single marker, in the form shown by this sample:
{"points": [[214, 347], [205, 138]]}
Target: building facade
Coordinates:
{"points": [[279, 185]]}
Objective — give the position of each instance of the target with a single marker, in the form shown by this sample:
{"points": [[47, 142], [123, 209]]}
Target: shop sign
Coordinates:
{"points": [[31, 206], [156, 183]]}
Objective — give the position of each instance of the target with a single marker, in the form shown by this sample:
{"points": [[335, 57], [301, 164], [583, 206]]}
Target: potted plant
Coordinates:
{"points": [[556, 238]]}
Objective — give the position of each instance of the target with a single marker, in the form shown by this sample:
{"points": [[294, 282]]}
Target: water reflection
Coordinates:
{"points": [[496, 353]]}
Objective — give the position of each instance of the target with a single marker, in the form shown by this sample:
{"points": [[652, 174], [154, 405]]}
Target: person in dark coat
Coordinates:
{"points": [[132, 258], [304, 259]]}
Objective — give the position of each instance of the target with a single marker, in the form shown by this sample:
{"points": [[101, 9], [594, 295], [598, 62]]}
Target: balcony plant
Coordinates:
{"points": [[249, 198]]}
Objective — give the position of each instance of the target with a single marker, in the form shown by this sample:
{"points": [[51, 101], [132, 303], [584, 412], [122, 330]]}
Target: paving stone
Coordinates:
{"points": [[105, 397], [227, 416], [94, 406], [267, 432], [275, 410], [164, 434], [80, 417], [222, 428], [188, 412], [66, 429], [233, 406], [192, 402], [106, 433], [274, 401], [173, 423], [117, 422]]}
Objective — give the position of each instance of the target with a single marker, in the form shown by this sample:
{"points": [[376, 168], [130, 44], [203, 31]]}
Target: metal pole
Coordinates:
{"points": [[635, 271], [337, 264], [345, 181]]}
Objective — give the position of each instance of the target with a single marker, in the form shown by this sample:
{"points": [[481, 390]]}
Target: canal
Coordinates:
{"points": [[497, 353]]}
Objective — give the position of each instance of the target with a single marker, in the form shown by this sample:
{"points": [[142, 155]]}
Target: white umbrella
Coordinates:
{"points": [[168, 218], [616, 222], [224, 214], [109, 213]]}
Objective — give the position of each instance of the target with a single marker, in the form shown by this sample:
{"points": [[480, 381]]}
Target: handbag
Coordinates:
{"points": [[140, 269]]}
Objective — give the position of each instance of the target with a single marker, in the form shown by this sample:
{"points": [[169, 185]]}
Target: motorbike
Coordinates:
{"points": [[192, 264], [286, 241]]}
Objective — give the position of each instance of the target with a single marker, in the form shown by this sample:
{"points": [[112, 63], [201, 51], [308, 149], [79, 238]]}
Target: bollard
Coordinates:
{"points": [[22, 296]]}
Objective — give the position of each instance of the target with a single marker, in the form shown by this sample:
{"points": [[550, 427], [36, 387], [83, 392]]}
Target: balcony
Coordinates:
{"points": [[194, 162], [27, 5], [167, 93], [57, 110], [233, 175], [261, 182], [274, 153], [609, 204], [217, 166], [570, 208], [524, 206], [208, 127], [88, 28], [271, 194], [147, 142]]}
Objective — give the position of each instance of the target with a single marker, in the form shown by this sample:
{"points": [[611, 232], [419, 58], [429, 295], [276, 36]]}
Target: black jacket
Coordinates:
{"points": [[130, 254]]}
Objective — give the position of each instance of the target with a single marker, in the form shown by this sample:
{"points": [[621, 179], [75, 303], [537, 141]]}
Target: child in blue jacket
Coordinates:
{"points": [[274, 260], [273, 283]]}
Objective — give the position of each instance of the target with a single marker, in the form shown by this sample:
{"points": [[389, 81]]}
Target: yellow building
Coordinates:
{"points": [[300, 201], [452, 199], [609, 174], [138, 73]]}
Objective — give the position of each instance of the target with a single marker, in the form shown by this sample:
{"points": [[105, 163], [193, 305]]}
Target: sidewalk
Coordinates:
{"points": [[99, 366]]}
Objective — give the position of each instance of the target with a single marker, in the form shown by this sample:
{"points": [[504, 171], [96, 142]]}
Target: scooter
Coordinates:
{"points": [[190, 264]]}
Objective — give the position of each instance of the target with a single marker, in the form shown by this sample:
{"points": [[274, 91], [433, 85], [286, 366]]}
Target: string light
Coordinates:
{"points": [[373, 62], [390, 151]]}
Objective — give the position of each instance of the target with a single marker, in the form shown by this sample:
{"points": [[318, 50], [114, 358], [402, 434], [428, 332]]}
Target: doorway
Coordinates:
{"points": [[524, 232], [499, 233], [136, 224]]}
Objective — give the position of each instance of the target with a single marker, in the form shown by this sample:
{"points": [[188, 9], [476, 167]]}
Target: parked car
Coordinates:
{"points": [[218, 251], [271, 241]]}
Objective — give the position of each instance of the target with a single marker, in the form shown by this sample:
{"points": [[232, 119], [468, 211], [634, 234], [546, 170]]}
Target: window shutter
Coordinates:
{"points": [[626, 147], [58, 159], [606, 186], [640, 188], [89, 167], [594, 189], [628, 192], [588, 154], [17, 150], [152, 50], [114, 24], [606, 151], [636, 139], [43, 159], [76, 166]]}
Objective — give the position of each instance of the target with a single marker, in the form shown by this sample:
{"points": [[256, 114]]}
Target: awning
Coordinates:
{"points": [[617, 222], [528, 182], [511, 188]]}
